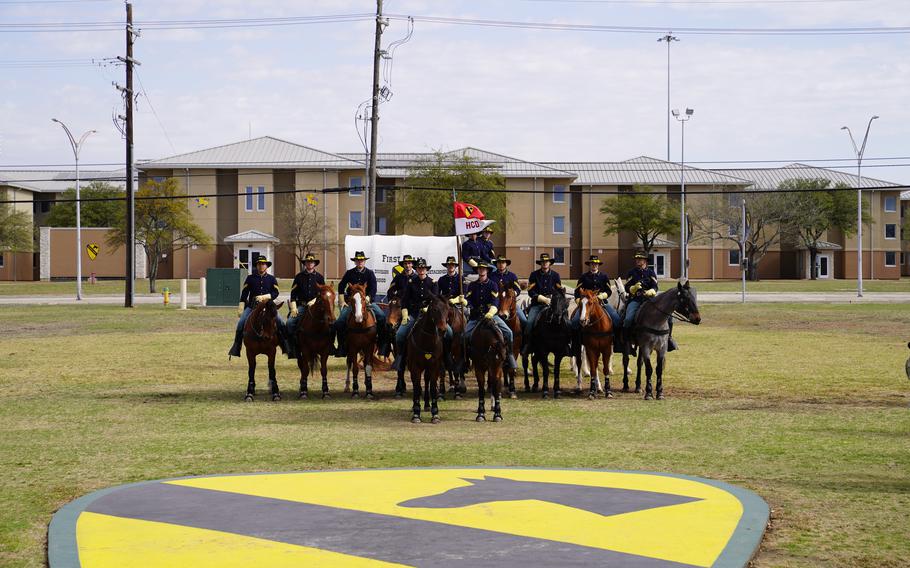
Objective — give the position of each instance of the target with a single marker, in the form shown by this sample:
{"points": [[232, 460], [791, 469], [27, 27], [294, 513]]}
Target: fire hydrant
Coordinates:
{"points": [[167, 296]]}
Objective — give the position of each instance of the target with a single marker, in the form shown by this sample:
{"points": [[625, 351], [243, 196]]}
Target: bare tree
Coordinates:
{"points": [[304, 224]]}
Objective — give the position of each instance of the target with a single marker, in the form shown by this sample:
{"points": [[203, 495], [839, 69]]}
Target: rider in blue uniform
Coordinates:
{"points": [[596, 281], [484, 301], [360, 274], [542, 284], [486, 245], [471, 252], [414, 300], [505, 278], [641, 285], [451, 284], [303, 293], [258, 287], [401, 279]]}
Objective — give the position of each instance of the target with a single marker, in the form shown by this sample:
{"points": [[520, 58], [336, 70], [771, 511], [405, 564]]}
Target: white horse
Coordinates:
{"points": [[617, 300]]}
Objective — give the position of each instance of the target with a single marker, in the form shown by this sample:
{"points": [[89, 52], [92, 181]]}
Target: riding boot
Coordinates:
{"points": [[576, 343], [627, 338], [283, 342], [238, 342], [331, 341], [342, 350], [671, 343], [385, 344], [290, 345], [526, 345], [447, 354], [510, 362], [398, 363]]}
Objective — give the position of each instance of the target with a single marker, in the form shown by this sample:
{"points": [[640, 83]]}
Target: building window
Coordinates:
{"points": [[380, 195], [890, 258], [890, 204], [260, 204], [734, 199], [355, 220], [559, 194], [356, 185], [559, 224], [249, 198], [890, 230], [903, 258], [382, 225], [1, 260], [46, 206], [559, 255], [733, 257]]}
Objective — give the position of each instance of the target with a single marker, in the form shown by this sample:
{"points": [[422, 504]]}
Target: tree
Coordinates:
{"points": [[15, 230], [163, 225], [812, 212], [472, 179], [719, 217], [645, 215], [93, 213], [304, 224]]}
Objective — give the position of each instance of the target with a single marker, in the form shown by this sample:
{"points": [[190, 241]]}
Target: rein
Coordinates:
{"points": [[673, 314]]}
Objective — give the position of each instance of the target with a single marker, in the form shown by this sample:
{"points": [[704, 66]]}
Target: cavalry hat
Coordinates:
{"points": [[641, 254], [593, 259], [450, 261], [310, 257], [502, 258], [421, 263], [263, 260], [360, 256], [488, 229], [406, 258], [544, 257], [483, 264]]}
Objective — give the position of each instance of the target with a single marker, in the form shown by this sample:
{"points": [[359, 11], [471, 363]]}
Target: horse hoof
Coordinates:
{"points": [[513, 395], [480, 418], [458, 396], [592, 396], [371, 396], [576, 392], [248, 398], [415, 419], [556, 394], [435, 420], [546, 394], [355, 394], [303, 395], [497, 418], [441, 396], [625, 389], [637, 391], [276, 397], [347, 389], [659, 397], [527, 388], [608, 395], [649, 397], [398, 395], [325, 395], [534, 388]]}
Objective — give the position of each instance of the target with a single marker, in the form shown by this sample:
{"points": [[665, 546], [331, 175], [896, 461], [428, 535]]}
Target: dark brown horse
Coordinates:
{"points": [[314, 338], [260, 336], [596, 340], [361, 330], [508, 311], [425, 356], [456, 320], [551, 334], [393, 321], [488, 353]]}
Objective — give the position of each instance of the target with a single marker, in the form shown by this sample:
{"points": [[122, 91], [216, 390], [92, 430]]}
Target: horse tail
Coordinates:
{"points": [[379, 364]]}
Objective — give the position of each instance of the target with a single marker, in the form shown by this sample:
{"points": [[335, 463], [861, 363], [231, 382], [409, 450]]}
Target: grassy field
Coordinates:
{"points": [[805, 404], [101, 287]]}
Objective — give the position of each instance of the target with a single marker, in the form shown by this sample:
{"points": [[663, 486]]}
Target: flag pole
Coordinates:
{"points": [[458, 250]]}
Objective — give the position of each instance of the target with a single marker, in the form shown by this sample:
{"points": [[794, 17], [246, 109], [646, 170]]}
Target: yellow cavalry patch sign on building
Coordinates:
{"points": [[502, 517], [92, 249]]}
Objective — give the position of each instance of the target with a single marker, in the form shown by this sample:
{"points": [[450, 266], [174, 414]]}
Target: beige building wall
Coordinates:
{"points": [[254, 218]]}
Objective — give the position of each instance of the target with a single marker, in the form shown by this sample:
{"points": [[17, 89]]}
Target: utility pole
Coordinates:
{"points": [[683, 224], [742, 256], [859, 151], [128, 133], [668, 38], [374, 124]]}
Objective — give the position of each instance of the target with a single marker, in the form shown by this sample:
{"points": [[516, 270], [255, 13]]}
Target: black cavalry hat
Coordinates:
{"points": [[544, 257], [310, 257], [263, 260], [421, 263], [406, 258], [450, 261], [593, 259], [641, 254], [502, 258], [360, 256], [483, 264]]}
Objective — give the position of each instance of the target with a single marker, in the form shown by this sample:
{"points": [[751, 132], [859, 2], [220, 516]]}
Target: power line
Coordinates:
{"points": [[703, 2]]}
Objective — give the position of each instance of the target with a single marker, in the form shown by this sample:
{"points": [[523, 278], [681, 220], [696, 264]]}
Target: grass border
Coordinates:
{"points": [[63, 551]]}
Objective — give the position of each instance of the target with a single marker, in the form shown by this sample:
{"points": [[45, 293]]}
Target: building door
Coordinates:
{"points": [[658, 261], [824, 265], [247, 256]]}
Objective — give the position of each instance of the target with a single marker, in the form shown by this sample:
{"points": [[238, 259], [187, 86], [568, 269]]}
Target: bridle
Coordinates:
{"points": [[675, 313]]}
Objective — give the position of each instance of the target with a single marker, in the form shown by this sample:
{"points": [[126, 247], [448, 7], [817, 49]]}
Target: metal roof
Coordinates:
{"points": [[821, 245], [643, 171], [905, 196], [265, 152], [771, 178], [398, 164], [252, 236], [57, 181]]}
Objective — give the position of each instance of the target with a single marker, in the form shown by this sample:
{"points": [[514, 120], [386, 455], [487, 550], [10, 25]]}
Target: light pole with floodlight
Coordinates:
{"points": [[859, 151], [683, 228], [77, 147]]}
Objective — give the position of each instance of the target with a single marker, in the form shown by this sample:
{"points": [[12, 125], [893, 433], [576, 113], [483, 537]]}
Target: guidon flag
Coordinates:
{"points": [[469, 219]]}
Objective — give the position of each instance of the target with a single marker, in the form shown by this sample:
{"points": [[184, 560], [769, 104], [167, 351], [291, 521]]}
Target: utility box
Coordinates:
{"points": [[223, 285]]}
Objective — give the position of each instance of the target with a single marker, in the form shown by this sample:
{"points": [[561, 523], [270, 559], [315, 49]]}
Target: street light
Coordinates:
{"points": [[669, 38], [77, 147], [859, 151], [683, 228]]}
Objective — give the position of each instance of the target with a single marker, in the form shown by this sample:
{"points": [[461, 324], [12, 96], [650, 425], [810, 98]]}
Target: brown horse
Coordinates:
{"points": [[488, 352], [456, 320], [260, 336], [425, 356], [393, 321], [508, 311], [362, 332], [596, 340], [314, 338]]}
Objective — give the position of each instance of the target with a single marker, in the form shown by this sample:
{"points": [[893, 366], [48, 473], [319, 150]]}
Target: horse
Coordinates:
{"points": [[617, 300], [488, 353], [425, 356], [393, 322], [361, 330], [652, 329], [552, 334], [508, 311], [457, 321], [314, 338], [260, 336], [596, 341]]}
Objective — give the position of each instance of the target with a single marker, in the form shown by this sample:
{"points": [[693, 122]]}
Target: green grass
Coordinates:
{"points": [[101, 287], [805, 404], [902, 285]]}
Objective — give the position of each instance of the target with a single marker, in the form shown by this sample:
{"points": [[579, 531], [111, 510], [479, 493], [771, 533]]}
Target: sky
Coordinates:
{"points": [[542, 95]]}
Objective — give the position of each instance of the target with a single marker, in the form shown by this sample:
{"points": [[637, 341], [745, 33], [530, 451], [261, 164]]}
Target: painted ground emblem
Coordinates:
{"points": [[413, 517]]}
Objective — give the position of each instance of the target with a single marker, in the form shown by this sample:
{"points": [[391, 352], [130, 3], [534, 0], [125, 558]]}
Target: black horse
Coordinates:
{"points": [[424, 356], [551, 334]]}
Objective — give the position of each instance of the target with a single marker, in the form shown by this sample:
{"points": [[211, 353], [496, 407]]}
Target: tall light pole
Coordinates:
{"points": [[859, 151], [683, 226], [668, 38], [77, 147]]}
